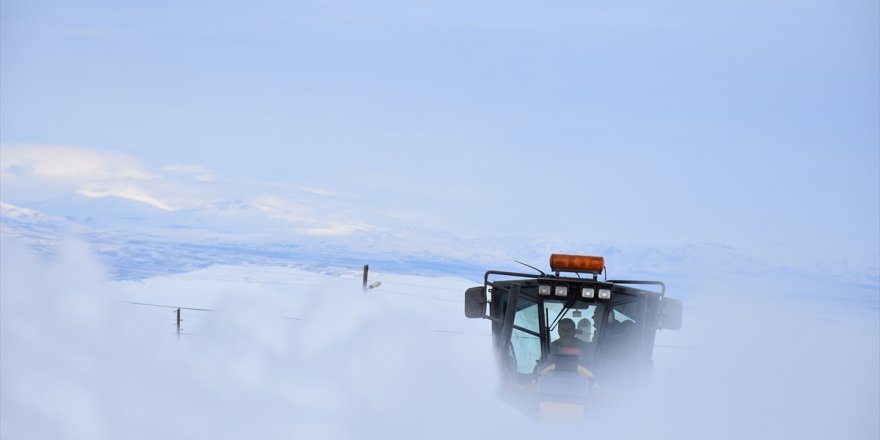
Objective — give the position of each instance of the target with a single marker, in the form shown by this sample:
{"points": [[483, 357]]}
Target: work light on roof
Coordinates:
{"points": [[588, 292], [543, 289], [561, 290], [604, 293]]}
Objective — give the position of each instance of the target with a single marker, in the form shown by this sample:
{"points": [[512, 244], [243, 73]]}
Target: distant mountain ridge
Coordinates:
{"points": [[138, 241]]}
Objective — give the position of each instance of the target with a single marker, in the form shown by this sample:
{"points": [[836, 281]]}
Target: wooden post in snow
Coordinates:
{"points": [[178, 323], [366, 271]]}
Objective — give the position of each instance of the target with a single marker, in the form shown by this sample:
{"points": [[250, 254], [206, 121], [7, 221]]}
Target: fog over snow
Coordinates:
{"points": [[285, 352], [248, 158]]}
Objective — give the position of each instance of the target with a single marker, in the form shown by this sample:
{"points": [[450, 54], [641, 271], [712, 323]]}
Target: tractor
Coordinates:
{"points": [[566, 342]]}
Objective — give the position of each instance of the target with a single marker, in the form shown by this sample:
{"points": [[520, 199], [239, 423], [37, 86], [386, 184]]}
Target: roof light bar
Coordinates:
{"points": [[576, 263]]}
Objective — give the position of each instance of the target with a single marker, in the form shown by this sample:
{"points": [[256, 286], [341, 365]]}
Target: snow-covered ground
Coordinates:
{"points": [[278, 339], [290, 353]]}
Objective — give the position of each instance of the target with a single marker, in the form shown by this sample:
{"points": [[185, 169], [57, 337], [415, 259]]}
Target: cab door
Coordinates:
{"points": [[521, 352]]}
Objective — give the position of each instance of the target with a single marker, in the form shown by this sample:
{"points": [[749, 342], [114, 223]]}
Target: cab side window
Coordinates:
{"points": [[619, 334], [526, 347]]}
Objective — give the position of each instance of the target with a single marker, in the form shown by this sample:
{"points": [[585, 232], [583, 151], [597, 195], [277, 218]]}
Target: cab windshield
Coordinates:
{"points": [[598, 330], [586, 320]]}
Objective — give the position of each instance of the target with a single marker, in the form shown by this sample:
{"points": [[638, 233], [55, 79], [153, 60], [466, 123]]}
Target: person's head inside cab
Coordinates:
{"points": [[566, 330]]}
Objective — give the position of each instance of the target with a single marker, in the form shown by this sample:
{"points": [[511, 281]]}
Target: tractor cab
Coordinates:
{"points": [[566, 340]]}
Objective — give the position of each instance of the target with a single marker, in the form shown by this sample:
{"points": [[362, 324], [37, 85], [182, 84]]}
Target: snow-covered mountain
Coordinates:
{"points": [[137, 240]]}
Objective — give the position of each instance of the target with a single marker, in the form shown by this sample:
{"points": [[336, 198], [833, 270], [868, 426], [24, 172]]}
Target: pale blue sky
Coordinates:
{"points": [[748, 124]]}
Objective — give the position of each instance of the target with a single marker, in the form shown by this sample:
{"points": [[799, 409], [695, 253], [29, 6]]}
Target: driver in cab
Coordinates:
{"points": [[568, 344]]}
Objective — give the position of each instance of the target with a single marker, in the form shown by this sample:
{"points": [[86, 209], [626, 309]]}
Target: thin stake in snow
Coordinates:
{"points": [[366, 271], [178, 323]]}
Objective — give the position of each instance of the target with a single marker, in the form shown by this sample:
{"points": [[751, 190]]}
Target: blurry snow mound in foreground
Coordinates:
{"points": [[79, 363]]}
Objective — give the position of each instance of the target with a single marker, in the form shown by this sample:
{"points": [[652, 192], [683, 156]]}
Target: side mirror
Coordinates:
{"points": [[670, 317], [475, 302]]}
